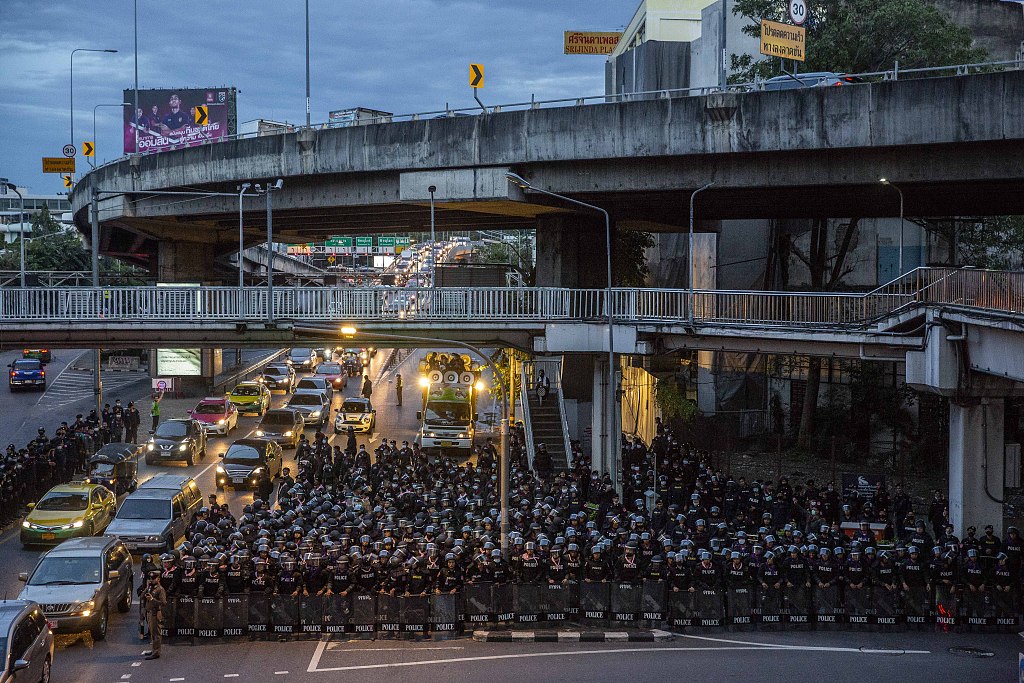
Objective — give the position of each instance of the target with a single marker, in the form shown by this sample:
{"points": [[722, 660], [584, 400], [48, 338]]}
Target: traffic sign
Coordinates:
{"points": [[364, 241], [58, 165], [67, 181], [70, 151], [476, 75], [88, 149], [783, 40], [339, 242], [331, 259], [798, 11], [386, 242], [402, 241], [161, 385], [202, 114]]}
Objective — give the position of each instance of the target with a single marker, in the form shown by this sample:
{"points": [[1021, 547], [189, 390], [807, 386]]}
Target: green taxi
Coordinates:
{"points": [[67, 511], [250, 397]]}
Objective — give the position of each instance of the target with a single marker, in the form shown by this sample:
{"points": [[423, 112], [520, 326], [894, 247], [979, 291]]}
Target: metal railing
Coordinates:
{"points": [[993, 290], [72, 278], [524, 398]]}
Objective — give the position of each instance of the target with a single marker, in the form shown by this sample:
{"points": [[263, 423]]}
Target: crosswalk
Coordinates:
{"points": [[73, 386]]}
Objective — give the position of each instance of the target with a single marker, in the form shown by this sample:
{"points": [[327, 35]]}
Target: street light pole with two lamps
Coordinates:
{"points": [[72, 88]]}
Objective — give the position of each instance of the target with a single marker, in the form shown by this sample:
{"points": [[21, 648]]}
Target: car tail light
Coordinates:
{"points": [[13, 374], [43, 373]]}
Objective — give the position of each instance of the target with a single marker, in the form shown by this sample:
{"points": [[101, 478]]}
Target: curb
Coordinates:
{"points": [[652, 636], [141, 371]]}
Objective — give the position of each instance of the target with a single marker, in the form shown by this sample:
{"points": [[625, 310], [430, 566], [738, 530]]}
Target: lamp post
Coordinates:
{"points": [[885, 181], [611, 440], [433, 265], [503, 476], [689, 255], [241, 236], [4, 186], [307, 63], [270, 189], [122, 105], [78, 49]]}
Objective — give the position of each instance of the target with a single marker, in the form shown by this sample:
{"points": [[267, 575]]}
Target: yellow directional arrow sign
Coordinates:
{"points": [[202, 115], [67, 181], [476, 75], [88, 149]]}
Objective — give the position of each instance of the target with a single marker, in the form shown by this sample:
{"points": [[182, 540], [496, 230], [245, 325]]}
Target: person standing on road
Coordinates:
{"points": [[154, 410], [155, 598], [132, 419], [398, 388], [367, 390]]}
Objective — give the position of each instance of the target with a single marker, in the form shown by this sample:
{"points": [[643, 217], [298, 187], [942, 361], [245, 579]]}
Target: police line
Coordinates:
{"points": [[646, 605]]}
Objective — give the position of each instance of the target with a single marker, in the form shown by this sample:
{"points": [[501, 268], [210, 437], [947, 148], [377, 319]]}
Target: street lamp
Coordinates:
{"points": [[307, 63], [241, 236], [270, 189], [433, 259], [503, 476], [885, 181], [4, 186], [611, 440], [689, 255], [78, 49], [122, 105]]}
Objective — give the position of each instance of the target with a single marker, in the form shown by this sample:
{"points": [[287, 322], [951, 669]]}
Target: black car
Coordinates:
{"points": [[182, 440], [248, 462], [280, 377]]}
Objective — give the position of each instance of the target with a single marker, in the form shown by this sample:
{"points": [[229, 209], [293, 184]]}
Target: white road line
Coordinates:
{"points": [[808, 648], [389, 649], [175, 680], [136, 663], [314, 662], [230, 675], [280, 673], [125, 677]]}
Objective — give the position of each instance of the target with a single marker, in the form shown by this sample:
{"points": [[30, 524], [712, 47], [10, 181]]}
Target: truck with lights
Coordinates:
{"points": [[450, 385]]}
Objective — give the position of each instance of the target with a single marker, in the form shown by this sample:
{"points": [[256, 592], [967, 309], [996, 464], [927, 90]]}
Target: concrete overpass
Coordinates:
{"points": [[955, 146]]}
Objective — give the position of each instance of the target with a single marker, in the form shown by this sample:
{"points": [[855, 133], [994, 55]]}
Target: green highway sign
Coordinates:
{"points": [[339, 242], [402, 242], [364, 241], [386, 242]]}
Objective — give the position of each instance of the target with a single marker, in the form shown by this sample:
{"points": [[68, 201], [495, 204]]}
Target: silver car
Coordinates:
{"points": [[313, 406], [27, 640], [77, 584]]}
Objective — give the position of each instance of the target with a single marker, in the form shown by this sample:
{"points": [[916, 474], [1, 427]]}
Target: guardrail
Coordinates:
{"points": [[250, 370], [993, 290]]}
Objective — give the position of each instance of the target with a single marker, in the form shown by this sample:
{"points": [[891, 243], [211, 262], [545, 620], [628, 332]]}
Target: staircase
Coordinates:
{"points": [[547, 421]]}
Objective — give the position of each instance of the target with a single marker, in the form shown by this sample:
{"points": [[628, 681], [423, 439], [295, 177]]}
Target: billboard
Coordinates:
{"points": [[591, 42], [166, 118], [179, 362]]}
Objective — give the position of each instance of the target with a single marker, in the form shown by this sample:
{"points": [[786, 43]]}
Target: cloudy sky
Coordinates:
{"points": [[395, 55]]}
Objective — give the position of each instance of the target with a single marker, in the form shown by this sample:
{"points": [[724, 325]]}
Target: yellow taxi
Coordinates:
{"points": [[66, 511], [250, 397]]}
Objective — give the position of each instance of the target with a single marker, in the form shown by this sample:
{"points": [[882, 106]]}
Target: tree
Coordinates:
{"points": [[861, 36], [629, 260], [990, 242]]}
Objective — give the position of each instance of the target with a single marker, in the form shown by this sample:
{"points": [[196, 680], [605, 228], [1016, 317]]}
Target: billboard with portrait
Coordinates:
{"points": [[166, 118]]}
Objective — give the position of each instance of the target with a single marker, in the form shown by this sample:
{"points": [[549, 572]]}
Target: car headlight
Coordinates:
{"points": [[289, 433], [221, 421], [366, 418], [257, 470], [260, 432], [150, 446], [433, 434], [315, 413], [85, 608], [220, 470], [26, 524], [152, 539], [78, 525], [461, 436], [183, 447]]}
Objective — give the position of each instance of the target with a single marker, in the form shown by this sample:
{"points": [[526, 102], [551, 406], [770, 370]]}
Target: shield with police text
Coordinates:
{"points": [[624, 599], [739, 606], [798, 606], [709, 607], [389, 613], [185, 616], [946, 606], [311, 614], [526, 603], [169, 625], [363, 618], [236, 615], [828, 608], [284, 614], [553, 602], [769, 604], [653, 603], [477, 600], [259, 613], [885, 603], [858, 606], [444, 613], [916, 609], [414, 613], [209, 618], [681, 611], [594, 603], [336, 613], [504, 606]]}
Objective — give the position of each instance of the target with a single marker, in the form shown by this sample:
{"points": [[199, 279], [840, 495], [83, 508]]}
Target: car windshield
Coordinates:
{"points": [[447, 411], [305, 400], [209, 409], [243, 390], [103, 469], [353, 407], [27, 365], [275, 371], [279, 417], [301, 353], [64, 502], [171, 430], [329, 369], [242, 455], [310, 383], [145, 508], [64, 571]]}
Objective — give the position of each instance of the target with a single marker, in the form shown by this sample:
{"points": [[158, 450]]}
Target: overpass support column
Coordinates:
{"points": [[976, 465], [606, 430], [571, 251]]}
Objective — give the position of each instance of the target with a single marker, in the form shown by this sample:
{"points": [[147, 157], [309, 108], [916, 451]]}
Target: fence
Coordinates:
{"points": [[650, 604]]}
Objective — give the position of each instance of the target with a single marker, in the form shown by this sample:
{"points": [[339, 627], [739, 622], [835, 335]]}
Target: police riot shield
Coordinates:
{"points": [[708, 607], [444, 613], [913, 604], [572, 604], [594, 606], [858, 606], [235, 615], [739, 606], [884, 604], [185, 616], [311, 614], [798, 605], [526, 603], [947, 607], [1006, 613], [980, 607], [828, 608], [259, 613], [284, 614], [363, 618], [209, 618], [504, 607], [624, 600], [553, 602], [653, 603], [415, 613], [769, 607], [169, 627], [477, 599], [389, 612], [681, 611], [336, 613]]}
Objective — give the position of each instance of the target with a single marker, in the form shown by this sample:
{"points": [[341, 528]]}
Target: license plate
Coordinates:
{"points": [[447, 443], [131, 546], [237, 480], [51, 623], [49, 537]]}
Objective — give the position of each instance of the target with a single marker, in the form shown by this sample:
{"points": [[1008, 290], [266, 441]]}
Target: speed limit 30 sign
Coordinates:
{"points": [[798, 11]]}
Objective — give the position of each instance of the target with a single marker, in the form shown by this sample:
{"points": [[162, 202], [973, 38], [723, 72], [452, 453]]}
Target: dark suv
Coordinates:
{"points": [[177, 440]]}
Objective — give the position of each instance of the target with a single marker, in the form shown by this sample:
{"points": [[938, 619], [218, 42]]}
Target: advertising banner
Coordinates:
{"points": [[590, 42], [166, 119], [179, 362]]}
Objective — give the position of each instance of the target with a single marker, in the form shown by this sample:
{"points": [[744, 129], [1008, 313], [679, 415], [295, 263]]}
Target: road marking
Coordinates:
{"points": [[125, 676], [280, 673], [808, 648], [136, 663], [175, 680], [230, 675], [387, 649], [315, 661]]}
